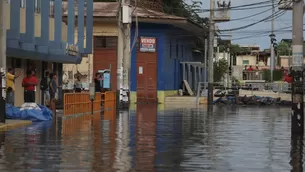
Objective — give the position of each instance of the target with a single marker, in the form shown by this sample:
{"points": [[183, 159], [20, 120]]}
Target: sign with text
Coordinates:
{"points": [[71, 49], [148, 44]]}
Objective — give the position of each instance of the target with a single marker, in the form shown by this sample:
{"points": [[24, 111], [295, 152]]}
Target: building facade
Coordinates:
{"points": [[156, 72], [38, 38]]}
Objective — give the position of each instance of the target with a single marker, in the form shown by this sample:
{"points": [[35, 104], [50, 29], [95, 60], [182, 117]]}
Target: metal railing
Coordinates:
{"points": [[79, 103], [249, 88], [252, 75]]}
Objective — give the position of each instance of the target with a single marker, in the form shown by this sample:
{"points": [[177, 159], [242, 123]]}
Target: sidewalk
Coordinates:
{"points": [[11, 124]]}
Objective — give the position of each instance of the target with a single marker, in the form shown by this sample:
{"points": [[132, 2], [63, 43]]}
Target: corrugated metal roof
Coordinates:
{"points": [[110, 9]]}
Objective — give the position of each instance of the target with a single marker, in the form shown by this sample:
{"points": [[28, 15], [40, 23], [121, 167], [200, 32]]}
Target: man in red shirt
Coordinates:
{"points": [[29, 83], [250, 68], [288, 78]]}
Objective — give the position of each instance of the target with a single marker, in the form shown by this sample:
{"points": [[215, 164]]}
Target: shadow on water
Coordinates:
{"points": [[149, 138]]}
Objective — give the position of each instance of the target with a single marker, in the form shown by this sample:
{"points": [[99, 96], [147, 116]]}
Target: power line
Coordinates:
{"points": [[277, 14], [239, 7], [256, 14]]}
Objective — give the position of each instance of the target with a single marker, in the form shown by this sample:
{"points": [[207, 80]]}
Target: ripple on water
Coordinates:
{"points": [[147, 139]]}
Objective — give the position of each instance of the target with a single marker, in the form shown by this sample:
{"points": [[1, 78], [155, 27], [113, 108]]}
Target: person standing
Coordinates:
{"points": [[52, 91], [29, 83], [78, 85], [44, 86], [10, 86], [97, 82]]}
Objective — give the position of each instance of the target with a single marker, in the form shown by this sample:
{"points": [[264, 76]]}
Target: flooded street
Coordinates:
{"points": [[240, 139]]}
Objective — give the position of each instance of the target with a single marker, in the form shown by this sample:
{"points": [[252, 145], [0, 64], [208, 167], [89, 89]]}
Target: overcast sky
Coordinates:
{"points": [[254, 32]]}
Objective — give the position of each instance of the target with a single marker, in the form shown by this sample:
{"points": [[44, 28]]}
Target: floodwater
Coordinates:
{"points": [[240, 139]]}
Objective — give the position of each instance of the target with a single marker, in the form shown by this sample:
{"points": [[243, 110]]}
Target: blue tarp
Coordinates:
{"points": [[34, 115]]}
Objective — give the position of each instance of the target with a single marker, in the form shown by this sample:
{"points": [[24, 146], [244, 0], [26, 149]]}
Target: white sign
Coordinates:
{"points": [[140, 70], [297, 55], [71, 49]]}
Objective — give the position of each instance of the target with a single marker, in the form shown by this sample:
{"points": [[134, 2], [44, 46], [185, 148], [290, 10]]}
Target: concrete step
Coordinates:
{"points": [[182, 100]]}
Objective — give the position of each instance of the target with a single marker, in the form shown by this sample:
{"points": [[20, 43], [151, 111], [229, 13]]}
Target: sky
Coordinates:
{"points": [[253, 32]]}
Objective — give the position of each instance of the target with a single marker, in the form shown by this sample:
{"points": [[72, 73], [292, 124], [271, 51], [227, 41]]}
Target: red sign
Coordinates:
{"points": [[148, 44]]}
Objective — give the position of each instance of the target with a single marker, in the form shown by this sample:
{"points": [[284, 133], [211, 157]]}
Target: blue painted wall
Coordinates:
{"points": [[169, 70], [27, 46]]}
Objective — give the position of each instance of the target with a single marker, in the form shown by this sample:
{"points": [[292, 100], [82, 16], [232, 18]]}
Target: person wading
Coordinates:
{"points": [[29, 83], [44, 86], [53, 90], [10, 86]]}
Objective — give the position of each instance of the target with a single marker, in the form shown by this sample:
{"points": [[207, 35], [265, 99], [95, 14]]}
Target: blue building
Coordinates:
{"points": [[38, 38], [164, 45]]}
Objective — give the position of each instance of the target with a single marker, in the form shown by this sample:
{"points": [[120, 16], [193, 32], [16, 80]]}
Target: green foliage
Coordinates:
{"points": [[234, 49], [277, 75], [284, 49], [220, 69]]}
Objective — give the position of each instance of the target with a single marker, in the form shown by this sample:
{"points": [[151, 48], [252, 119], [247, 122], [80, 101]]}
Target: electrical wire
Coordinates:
{"points": [[256, 14], [276, 15], [239, 7]]}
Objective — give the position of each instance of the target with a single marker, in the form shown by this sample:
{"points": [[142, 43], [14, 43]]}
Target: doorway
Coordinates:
{"points": [[147, 77]]}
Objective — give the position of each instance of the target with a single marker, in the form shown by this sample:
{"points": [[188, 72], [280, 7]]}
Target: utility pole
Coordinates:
{"points": [[3, 60], [272, 58], [211, 53], [126, 59], [120, 47], [297, 115], [205, 64], [229, 78]]}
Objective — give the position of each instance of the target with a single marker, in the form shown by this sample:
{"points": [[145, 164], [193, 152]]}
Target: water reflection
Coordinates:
{"points": [[151, 139], [296, 153], [146, 118]]}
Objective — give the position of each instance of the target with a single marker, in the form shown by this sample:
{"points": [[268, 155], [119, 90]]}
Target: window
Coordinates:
{"points": [[52, 8], [105, 42], [22, 3], [16, 63], [234, 60], [245, 62], [37, 6]]}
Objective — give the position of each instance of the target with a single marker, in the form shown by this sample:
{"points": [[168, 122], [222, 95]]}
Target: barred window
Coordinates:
{"points": [[22, 3], [37, 6], [105, 42]]}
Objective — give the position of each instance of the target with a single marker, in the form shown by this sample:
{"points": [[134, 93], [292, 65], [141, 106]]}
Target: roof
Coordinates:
{"points": [[108, 11]]}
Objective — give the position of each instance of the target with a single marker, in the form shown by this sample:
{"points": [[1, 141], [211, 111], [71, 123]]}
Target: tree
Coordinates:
{"points": [[284, 49], [220, 69]]}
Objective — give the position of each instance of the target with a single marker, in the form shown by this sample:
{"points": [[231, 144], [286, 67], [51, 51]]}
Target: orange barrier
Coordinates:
{"points": [[109, 100], [80, 103]]}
